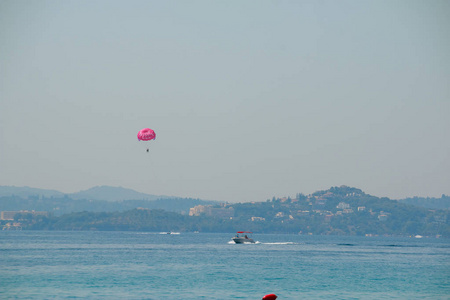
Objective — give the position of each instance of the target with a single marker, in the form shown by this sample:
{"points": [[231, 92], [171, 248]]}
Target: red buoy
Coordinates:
{"points": [[270, 297]]}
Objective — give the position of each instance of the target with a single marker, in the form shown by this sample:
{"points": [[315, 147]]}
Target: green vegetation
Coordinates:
{"points": [[435, 203], [337, 211], [64, 205]]}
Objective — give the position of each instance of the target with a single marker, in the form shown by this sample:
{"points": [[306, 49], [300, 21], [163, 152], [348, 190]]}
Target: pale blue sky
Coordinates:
{"points": [[249, 99]]}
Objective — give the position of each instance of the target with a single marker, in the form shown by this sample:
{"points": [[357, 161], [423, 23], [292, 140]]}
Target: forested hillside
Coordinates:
{"points": [[337, 211]]}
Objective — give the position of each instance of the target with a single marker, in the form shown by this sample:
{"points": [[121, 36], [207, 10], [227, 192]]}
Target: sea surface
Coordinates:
{"points": [[139, 265]]}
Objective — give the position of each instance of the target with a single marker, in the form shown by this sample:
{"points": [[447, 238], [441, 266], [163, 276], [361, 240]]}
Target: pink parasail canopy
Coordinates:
{"points": [[244, 232], [146, 134]]}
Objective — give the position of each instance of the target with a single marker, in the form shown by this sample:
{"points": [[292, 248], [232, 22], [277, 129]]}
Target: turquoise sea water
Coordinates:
{"points": [[133, 265]]}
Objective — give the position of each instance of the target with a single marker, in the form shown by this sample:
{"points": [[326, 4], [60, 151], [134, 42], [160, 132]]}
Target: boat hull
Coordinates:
{"points": [[242, 240]]}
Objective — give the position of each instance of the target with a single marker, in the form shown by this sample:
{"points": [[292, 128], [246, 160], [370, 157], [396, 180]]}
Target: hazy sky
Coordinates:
{"points": [[249, 99]]}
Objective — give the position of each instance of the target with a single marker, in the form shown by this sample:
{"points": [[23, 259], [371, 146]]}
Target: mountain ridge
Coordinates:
{"points": [[118, 194], [103, 193], [113, 193]]}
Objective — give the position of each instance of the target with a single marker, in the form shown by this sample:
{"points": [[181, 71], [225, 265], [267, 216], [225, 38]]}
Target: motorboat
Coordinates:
{"points": [[243, 237]]}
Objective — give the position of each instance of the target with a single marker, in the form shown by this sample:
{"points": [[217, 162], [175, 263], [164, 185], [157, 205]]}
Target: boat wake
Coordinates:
{"points": [[281, 243], [259, 243]]}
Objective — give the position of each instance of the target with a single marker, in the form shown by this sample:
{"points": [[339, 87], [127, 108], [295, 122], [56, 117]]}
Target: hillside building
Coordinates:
{"points": [[209, 210]]}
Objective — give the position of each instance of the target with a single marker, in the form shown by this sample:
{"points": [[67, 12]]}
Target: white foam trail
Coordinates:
{"points": [[259, 243], [280, 243]]}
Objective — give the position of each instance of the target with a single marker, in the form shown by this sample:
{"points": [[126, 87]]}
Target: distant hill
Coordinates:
{"points": [[337, 211], [25, 191], [110, 193], [96, 199], [105, 193], [433, 203]]}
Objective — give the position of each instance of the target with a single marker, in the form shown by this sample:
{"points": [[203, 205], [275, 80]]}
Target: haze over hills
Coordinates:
{"points": [[25, 191], [96, 199], [339, 210], [104, 193], [112, 194]]}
